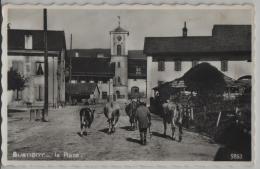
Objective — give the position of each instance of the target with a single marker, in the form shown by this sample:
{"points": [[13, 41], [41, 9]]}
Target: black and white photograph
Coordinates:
{"points": [[128, 83]]}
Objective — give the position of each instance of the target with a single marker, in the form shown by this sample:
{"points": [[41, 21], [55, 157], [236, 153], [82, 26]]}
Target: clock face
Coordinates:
{"points": [[119, 38]]}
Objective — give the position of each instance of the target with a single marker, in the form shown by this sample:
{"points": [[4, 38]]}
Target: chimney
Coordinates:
{"points": [[184, 30]]}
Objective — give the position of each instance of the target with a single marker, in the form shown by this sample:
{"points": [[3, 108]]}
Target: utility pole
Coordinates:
{"points": [[70, 67], [46, 67]]}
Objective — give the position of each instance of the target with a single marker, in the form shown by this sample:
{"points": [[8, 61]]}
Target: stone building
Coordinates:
{"points": [[26, 56], [228, 49]]}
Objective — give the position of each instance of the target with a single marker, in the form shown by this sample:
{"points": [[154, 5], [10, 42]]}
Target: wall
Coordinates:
{"points": [[104, 87], [236, 69], [140, 83], [28, 94]]}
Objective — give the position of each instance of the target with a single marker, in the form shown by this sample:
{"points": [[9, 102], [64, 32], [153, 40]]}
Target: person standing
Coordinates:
{"points": [[143, 117]]}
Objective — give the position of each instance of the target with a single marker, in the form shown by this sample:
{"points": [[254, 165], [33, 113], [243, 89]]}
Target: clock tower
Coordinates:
{"points": [[119, 52]]}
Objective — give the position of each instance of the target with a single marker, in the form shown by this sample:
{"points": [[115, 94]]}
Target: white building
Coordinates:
{"points": [[168, 58], [26, 56]]}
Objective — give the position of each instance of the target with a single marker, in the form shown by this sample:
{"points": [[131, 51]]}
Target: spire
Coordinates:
{"points": [[184, 30], [118, 21]]}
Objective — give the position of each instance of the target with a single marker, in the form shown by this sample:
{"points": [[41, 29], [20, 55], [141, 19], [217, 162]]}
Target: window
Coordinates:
{"points": [[161, 65], [194, 63], [118, 48], [18, 95], [224, 65], [177, 65], [39, 92], [18, 66], [104, 95], [138, 70], [39, 68], [160, 82], [118, 64], [28, 41], [119, 80]]}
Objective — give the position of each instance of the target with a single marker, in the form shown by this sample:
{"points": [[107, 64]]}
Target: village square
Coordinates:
{"points": [[119, 89]]}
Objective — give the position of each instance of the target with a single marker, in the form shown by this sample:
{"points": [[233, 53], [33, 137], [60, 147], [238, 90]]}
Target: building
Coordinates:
{"points": [[120, 73], [85, 91], [26, 56], [168, 58]]}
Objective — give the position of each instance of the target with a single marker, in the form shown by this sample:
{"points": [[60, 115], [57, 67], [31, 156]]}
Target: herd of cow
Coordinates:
{"points": [[139, 117]]}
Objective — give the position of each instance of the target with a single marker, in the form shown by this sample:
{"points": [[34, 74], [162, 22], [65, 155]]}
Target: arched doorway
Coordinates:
{"points": [[135, 91]]}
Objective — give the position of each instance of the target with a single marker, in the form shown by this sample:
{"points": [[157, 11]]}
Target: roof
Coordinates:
{"points": [[136, 54], [106, 53], [81, 88], [231, 40], [119, 29], [55, 39], [89, 53], [92, 66]]}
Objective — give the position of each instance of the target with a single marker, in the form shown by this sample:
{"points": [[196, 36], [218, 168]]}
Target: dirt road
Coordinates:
{"points": [[58, 139]]}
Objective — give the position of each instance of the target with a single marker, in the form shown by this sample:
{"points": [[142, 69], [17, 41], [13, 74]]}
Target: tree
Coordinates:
{"points": [[16, 81]]}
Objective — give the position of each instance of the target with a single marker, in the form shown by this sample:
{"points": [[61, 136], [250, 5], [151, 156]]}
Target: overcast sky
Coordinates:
{"points": [[90, 28]]}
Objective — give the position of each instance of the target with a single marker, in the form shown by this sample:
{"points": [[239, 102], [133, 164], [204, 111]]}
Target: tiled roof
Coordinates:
{"points": [[16, 39], [136, 54], [92, 66], [89, 53], [81, 88], [225, 39]]}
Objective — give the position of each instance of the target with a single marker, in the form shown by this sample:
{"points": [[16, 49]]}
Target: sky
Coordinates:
{"points": [[90, 27]]}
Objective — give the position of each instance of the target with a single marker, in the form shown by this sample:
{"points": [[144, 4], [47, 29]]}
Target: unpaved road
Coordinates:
{"points": [[58, 139]]}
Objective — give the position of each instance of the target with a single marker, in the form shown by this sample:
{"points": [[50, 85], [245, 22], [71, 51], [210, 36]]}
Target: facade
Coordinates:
{"points": [[83, 91], [168, 58], [26, 56], [120, 73]]}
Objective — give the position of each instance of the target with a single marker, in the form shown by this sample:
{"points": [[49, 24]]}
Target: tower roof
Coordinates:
{"points": [[119, 29]]}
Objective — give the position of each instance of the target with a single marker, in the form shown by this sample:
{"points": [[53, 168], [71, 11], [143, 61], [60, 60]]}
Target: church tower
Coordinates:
{"points": [[119, 52]]}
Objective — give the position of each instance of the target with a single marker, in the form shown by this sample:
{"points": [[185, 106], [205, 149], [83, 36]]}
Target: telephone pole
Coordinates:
{"points": [[70, 67], [46, 67]]}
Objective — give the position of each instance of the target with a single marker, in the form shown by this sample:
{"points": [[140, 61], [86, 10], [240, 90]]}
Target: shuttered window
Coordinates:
{"points": [[18, 66], [224, 65], [177, 65], [161, 65]]}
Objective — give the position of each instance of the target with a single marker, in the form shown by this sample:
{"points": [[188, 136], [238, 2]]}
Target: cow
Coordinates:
{"points": [[130, 110], [112, 113], [173, 114], [86, 119]]}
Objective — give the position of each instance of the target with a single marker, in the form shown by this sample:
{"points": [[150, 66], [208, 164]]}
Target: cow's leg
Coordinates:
{"points": [[85, 129], [109, 126], [173, 126], [81, 128], [180, 132], [164, 127]]}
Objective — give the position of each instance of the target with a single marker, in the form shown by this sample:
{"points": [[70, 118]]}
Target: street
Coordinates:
{"points": [[60, 135]]}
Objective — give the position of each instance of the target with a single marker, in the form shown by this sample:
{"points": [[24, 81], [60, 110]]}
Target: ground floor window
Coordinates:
{"points": [[18, 95], [104, 95], [39, 92]]}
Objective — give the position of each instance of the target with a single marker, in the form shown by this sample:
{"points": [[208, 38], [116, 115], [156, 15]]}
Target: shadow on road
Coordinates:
{"points": [[154, 133], [128, 128], [105, 130], [133, 140]]}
